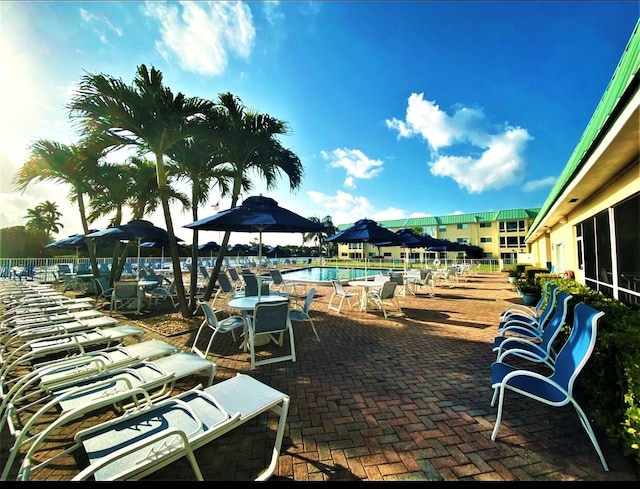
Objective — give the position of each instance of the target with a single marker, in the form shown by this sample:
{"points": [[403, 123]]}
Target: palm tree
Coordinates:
{"points": [[51, 214], [72, 165], [146, 115], [36, 222], [319, 236], [196, 162], [247, 143]]}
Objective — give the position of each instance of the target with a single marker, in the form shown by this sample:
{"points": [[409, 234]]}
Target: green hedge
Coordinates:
{"points": [[609, 385]]}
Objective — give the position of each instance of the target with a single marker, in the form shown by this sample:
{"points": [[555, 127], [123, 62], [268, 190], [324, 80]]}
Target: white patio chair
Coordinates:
{"points": [[137, 445], [340, 293]]}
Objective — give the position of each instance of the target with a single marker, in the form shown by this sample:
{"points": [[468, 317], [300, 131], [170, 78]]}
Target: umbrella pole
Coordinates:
{"points": [[138, 267], [258, 274]]}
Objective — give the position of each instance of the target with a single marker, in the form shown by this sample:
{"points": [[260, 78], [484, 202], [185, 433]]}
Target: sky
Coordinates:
{"points": [[395, 109]]}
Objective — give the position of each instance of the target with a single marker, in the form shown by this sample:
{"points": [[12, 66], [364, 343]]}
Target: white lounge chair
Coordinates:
{"points": [[134, 446]]}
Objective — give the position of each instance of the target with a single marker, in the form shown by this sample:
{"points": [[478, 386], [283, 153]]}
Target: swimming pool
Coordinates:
{"points": [[326, 274]]}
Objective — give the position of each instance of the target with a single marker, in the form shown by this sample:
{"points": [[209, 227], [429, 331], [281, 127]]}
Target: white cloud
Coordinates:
{"points": [[100, 25], [357, 164], [534, 185], [482, 160], [343, 207], [205, 34]]}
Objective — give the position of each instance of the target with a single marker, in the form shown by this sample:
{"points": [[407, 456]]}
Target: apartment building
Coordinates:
{"points": [[500, 234]]}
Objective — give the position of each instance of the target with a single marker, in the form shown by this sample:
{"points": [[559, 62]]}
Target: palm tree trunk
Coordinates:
{"points": [[173, 244], [85, 229], [223, 248]]}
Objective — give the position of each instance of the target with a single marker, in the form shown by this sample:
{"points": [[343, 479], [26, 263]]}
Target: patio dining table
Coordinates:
{"points": [[365, 285]]}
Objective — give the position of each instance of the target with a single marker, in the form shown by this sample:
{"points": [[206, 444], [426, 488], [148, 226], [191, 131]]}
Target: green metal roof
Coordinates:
{"points": [[503, 215], [623, 77]]}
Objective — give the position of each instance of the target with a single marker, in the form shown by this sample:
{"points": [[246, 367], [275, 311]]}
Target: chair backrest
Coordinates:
{"points": [[233, 273], [270, 317], [550, 306], [251, 285], [388, 289], [576, 351], [307, 302], [126, 289], [63, 268], [337, 287], [276, 276], [396, 277], [83, 268], [209, 313], [103, 283], [204, 271], [556, 321], [224, 282]]}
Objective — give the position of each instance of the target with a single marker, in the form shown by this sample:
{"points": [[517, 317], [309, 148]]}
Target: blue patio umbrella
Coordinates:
{"points": [[410, 239], [366, 231], [138, 230], [73, 242], [257, 214], [162, 245], [211, 246]]}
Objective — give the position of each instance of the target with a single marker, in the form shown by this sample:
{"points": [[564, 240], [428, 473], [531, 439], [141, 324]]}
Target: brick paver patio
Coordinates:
{"points": [[398, 399]]}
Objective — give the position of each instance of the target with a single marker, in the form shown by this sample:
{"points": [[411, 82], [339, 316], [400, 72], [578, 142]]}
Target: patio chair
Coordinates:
{"points": [[121, 388], [63, 324], [541, 351], [225, 291], [67, 345], [124, 297], [384, 297], [555, 389], [530, 327], [398, 278], [104, 290], [137, 445], [215, 326], [340, 292], [251, 285], [302, 314], [270, 319], [280, 284], [46, 375], [532, 312], [236, 280], [162, 293]]}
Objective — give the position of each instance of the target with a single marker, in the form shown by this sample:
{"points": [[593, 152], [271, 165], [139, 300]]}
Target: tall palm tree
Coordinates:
{"points": [[146, 115], [196, 161], [71, 165], [51, 214], [318, 236], [248, 144]]}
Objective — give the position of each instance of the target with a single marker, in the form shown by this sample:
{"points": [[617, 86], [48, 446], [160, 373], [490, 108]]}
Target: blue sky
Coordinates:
{"points": [[396, 109]]}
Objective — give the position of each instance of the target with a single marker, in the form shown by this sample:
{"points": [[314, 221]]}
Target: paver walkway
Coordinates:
{"points": [[398, 399]]}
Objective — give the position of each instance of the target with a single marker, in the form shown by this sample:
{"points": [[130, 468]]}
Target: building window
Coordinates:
{"points": [[608, 247], [485, 239], [485, 224], [430, 230], [442, 229], [462, 226], [512, 242], [512, 226]]}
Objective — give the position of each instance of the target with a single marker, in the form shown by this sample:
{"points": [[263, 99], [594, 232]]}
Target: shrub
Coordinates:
{"points": [[610, 381]]}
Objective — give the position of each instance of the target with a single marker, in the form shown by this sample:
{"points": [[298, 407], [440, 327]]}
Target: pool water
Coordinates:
{"points": [[326, 274]]}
